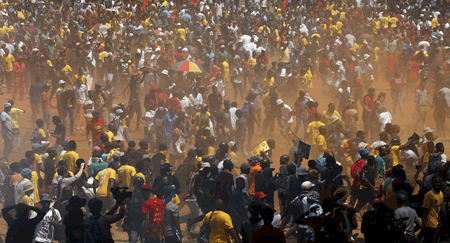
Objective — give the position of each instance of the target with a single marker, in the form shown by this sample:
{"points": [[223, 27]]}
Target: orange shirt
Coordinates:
{"points": [[251, 178]]}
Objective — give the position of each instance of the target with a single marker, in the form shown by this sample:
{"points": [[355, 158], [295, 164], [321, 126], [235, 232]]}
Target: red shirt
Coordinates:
{"points": [[368, 101], [357, 166], [45, 101], [173, 102], [155, 207], [97, 128]]}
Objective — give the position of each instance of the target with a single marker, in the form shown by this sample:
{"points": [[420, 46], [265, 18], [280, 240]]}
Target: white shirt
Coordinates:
{"points": [[81, 94], [286, 111], [233, 117], [18, 190], [197, 100], [44, 230], [384, 118]]}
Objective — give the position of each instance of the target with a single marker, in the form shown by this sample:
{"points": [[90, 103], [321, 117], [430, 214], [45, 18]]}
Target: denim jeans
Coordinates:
{"points": [[18, 136], [133, 236], [69, 112]]}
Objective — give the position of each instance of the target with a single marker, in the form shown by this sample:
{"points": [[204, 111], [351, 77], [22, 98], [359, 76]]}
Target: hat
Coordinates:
{"points": [[279, 101], [333, 119], [138, 181], [62, 82], [77, 202], [257, 158], [116, 139], [427, 130], [185, 49], [165, 72], [307, 185], [339, 63], [260, 195], [378, 200], [119, 111], [231, 144], [45, 197], [204, 165], [147, 188], [366, 56], [302, 171], [25, 172], [157, 49], [245, 166], [255, 207], [341, 193], [7, 104], [363, 151]]}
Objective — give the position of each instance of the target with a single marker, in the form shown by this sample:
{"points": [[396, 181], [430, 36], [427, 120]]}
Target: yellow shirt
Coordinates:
{"points": [[37, 160], [210, 150], [220, 224], [71, 158], [125, 175], [433, 202], [35, 181], [313, 130], [111, 152], [103, 178], [140, 175], [327, 115], [182, 33], [434, 22], [26, 200], [8, 61], [42, 133], [14, 113], [395, 155], [321, 143], [110, 135], [102, 55], [67, 69], [226, 71]]}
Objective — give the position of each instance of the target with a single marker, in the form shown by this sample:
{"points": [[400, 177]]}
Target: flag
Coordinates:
{"points": [[303, 150]]}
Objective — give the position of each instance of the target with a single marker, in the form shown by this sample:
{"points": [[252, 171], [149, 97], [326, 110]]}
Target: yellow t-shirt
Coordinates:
{"points": [[26, 200], [320, 143], [35, 181], [182, 33], [37, 160], [226, 71], [125, 175], [394, 154], [102, 55], [327, 115], [71, 158], [110, 135], [220, 223], [14, 113], [42, 133], [8, 63], [210, 150], [103, 178], [111, 152], [313, 130], [67, 69], [433, 202]]}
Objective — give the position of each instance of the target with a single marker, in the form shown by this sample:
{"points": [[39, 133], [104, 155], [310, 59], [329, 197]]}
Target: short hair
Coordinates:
{"points": [[39, 123], [131, 143], [72, 145], [162, 147], [95, 205]]}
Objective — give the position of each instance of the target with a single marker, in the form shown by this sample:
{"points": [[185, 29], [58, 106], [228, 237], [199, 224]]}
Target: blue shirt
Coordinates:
{"points": [[168, 123], [96, 167], [380, 165]]}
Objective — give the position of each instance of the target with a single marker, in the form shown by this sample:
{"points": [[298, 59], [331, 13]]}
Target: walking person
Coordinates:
{"points": [[421, 100], [19, 78], [35, 92], [397, 85], [7, 132], [15, 113], [46, 105]]}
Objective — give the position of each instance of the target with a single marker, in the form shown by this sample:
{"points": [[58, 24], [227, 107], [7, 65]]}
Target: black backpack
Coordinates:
{"points": [[97, 231]]}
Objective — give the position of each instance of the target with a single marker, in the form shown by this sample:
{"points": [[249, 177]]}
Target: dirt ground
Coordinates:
{"points": [[406, 122]]}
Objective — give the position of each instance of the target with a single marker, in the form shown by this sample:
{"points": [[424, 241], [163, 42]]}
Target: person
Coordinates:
{"points": [[367, 109], [10, 182], [35, 93], [221, 224], [253, 223], [421, 101], [60, 131], [268, 233], [98, 226], [410, 218], [442, 231], [45, 229], [14, 114], [95, 127], [21, 228], [63, 180], [103, 183], [397, 85], [70, 157], [134, 215], [153, 209], [158, 183], [376, 223], [432, 203], [7, 132], [240, 133], [96, 162], [46, 105], [125, 174], [172, 230]]}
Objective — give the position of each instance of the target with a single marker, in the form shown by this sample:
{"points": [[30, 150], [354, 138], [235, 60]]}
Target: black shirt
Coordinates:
{"points": [[158, 185], [224, 182], [157, 160], [137, 156], [19, 229], [60, 130]]}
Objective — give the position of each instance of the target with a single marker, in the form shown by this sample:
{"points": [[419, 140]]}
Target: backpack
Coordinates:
{"points": [[6, 184], [96, 230], [357, 166], [265, 32], [246, 110]]}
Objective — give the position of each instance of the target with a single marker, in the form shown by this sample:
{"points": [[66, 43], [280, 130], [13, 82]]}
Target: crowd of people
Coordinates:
{"points": [[203, 80]]}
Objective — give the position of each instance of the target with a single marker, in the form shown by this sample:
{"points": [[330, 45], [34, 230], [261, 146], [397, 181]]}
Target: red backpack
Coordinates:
{"points": [[357, 166]]}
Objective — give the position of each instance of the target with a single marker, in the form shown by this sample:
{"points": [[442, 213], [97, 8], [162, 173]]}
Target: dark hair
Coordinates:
{"points": [[95, 206], [62, 170], [132, 144], [15, 167], [39, 123], [56, 119], [312, 163], [79, 162], [72, 145], [162, 147], [227, 164], [370, 160]]}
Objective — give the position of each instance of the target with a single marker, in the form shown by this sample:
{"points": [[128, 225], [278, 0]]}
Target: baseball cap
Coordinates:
{"points": [[25, 172], [307, 185]]}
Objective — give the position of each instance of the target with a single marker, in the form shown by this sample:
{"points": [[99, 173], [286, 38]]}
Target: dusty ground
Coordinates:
{"points": [[406, 122]]}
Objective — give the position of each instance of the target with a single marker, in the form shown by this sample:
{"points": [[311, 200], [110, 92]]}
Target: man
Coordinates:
{"points": [[125, 175], [221, 224], [320, 143], [268, 233], [397, 85], [331, 111], [134, 211], [376, 223], [168, 124], [14, 114], [172, 230], [380, 164], [421, 100], [98, 226], [96, 127], [153, 207], [10, 182], [301, 112], [138, 155], [60, 131], [21, 228], [215, 101], [357, 168], [249, 113], [240, 133], [22, 184], [71, 156], [103, 183], [165, 178], [253, 223], [68, 103], [100, 98], [367, 108], [7, 132], [368, 178], [63, 179], [432, 204], [35, 98], [313, 128], [46, 105], [285, 119], [159, 158], [45, 229], [404, 212], [225, 182], [59, 95]]}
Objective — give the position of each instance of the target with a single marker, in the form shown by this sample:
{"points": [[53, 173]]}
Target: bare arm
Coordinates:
{"points": [[111, 218]]}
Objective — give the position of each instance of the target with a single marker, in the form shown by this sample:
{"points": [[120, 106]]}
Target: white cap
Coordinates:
{"points": [[157, 49], [231, 144], [204, 165], [119, 111], [185, 49], [35, 49], [165, 72], [307, 185], [7, 104], [62, 82], [279, 101]]}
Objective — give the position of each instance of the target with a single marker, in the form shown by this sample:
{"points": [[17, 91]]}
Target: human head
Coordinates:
{"points": [[440, 148], [39, 123], [56, 120], [72, 146], [95, 206], [437, 183], [284, 159]]}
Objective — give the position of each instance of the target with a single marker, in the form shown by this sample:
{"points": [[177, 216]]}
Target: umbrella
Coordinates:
{"points": [[186, 66]]}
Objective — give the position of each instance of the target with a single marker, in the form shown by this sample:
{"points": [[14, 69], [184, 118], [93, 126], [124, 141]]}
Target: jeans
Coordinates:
{"points": [[241, 147], [69, 112], [8, 145], [153, 239], [18, 136], [133, 236]]}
